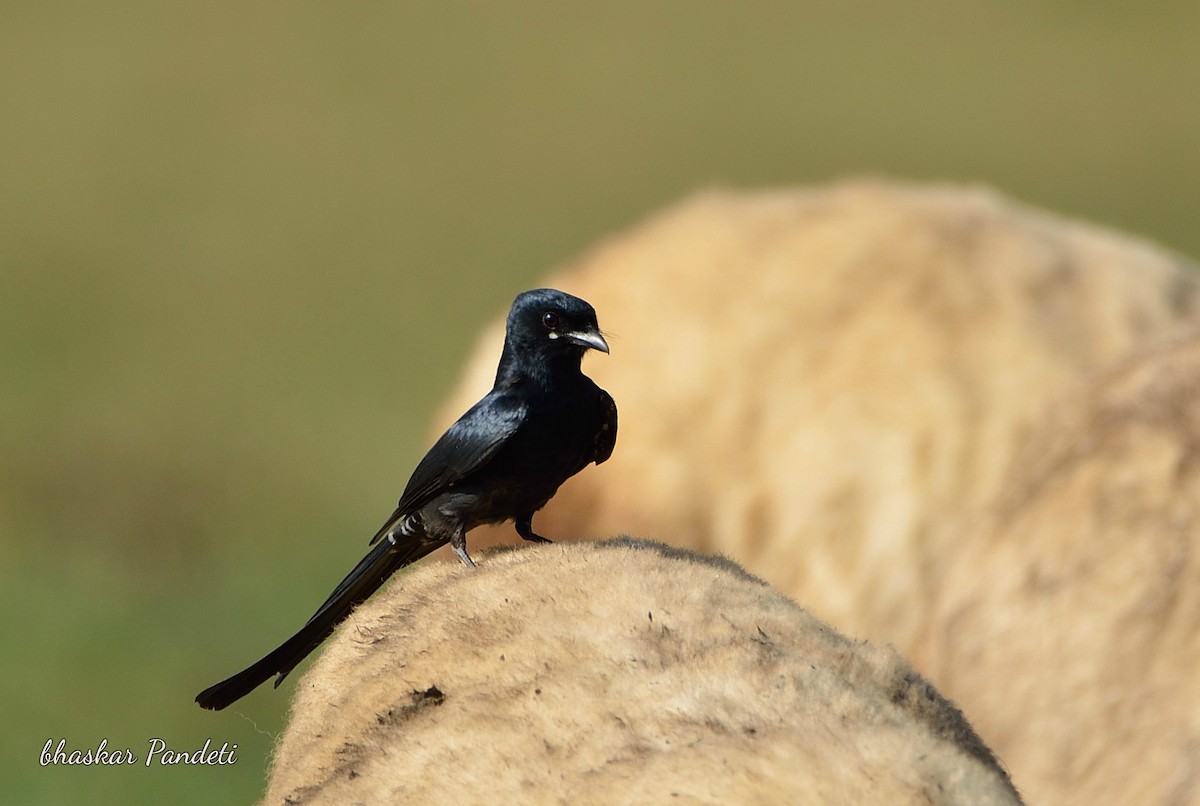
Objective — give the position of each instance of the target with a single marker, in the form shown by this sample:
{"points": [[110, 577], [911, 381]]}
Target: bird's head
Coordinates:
{"points": [[549, 323], [547, 334]]}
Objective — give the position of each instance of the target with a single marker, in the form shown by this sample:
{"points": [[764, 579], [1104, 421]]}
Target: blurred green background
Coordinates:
{"points": [[244, 248]]}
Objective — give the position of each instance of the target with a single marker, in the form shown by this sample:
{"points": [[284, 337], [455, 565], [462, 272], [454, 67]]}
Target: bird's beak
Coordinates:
{"points": [[588, 338]]}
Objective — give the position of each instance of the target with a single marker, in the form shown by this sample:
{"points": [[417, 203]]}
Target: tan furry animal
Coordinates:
{"points": [[1072, 635], [827, 385], [616, 672]]}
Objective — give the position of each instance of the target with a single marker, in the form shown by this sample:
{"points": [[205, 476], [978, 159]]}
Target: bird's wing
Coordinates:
{"points": [[466, 446], [606, 435]]}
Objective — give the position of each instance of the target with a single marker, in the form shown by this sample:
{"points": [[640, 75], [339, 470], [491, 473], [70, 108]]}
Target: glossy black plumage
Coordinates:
{"points": [[542, 423]]}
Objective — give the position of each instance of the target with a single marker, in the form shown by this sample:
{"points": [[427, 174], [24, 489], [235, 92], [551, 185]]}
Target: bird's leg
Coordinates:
{"points": [[458, 542], [524, 525]]}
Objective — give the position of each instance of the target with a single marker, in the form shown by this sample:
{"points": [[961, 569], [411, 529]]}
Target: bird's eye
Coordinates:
{"points": [[550, 320]]}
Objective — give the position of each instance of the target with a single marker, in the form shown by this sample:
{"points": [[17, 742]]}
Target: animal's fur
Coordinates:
{"points": [[616, 672], [1070, 626], [828, 385]]}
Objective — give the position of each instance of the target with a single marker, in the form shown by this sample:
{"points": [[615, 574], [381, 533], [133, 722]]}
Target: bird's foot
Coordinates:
{"points": [[459, 545], [525, 530]]}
